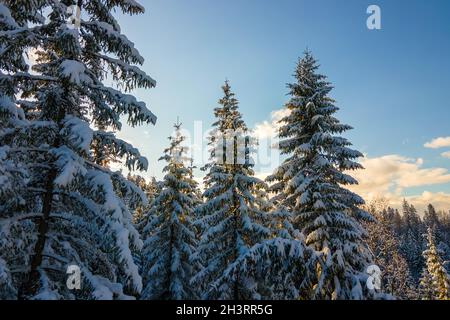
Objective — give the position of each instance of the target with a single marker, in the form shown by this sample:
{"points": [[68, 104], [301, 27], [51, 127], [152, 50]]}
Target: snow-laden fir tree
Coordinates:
{"points": [[138, 209], [54, 131], [16, 230], [434, 220], [169, 233], [234, 216], [311, 183], [435, 281]]}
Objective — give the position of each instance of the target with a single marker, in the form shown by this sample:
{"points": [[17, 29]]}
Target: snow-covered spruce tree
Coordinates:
{"points": [[311, 182], [274, 269], [233, 216], [435, 281], [77, 215], [432, 219], [17, 230], [395, 277], [169, 233], [138, 209]]}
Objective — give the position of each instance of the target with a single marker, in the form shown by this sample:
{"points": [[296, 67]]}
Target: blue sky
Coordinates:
{"points": [[392, 85]]}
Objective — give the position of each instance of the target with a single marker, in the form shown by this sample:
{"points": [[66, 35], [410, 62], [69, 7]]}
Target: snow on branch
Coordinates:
{"points": [[126, 104], [119, 148], [113, 41], [69, 165], [78, 133]]}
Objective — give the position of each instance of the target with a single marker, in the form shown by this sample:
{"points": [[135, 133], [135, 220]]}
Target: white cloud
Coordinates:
{"points": [[446, 154], [395, 173], [390, 175], [440, 200], [437, 143], [269, 129]]}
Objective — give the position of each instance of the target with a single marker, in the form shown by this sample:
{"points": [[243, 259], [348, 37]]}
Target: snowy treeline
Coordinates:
{"points": [[412, 252], [299, 235]]}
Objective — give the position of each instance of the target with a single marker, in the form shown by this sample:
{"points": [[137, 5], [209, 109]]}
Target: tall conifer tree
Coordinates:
{"points": [[311, 183], [60, 127], [234, 215], [435, 281], [169, 233]]}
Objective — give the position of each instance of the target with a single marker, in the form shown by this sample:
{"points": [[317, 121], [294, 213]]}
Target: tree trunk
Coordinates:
{"points": [[31, 286]]}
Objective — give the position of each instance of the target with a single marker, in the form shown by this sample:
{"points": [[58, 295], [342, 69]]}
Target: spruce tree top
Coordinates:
{"points": [[317, 158], [169, 233], [228, 115], [311, 184]]}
